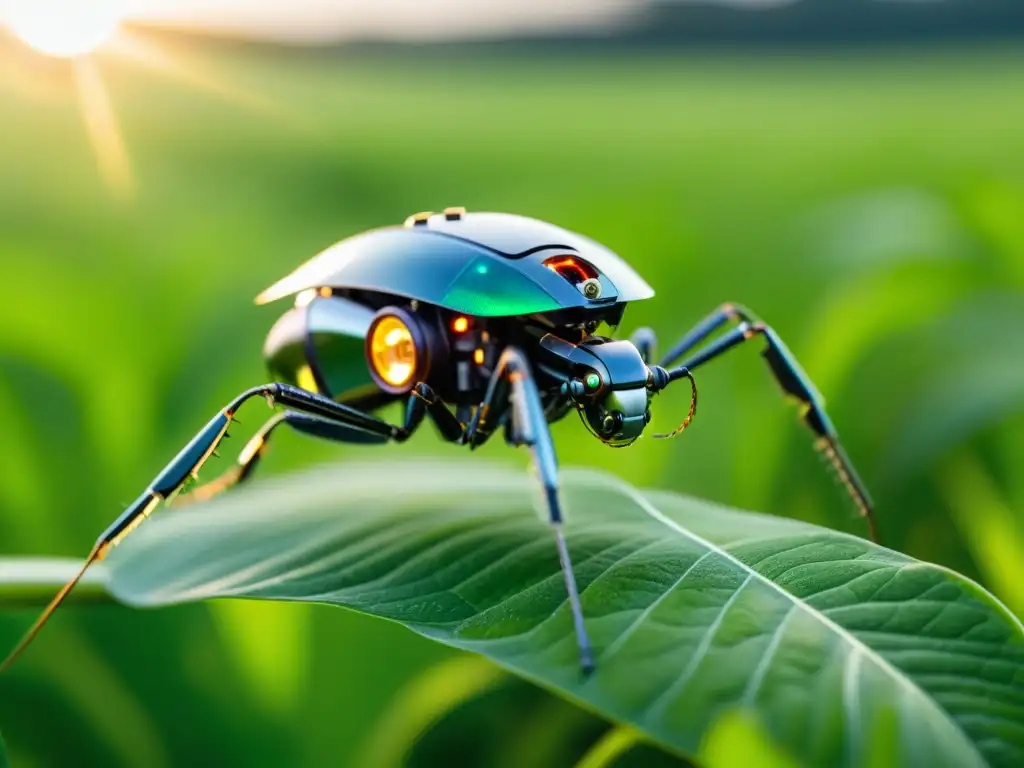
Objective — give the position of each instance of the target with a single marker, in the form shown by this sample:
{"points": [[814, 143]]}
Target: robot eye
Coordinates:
{"points": [[393, 351], [397, 350], [572, 268], [577, 272]]}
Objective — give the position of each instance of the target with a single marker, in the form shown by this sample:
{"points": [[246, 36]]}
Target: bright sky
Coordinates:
{"points": [[318, 20]]}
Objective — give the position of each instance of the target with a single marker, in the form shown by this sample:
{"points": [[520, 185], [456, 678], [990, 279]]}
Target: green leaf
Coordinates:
{"points": [[4, 763], [840, 649]]}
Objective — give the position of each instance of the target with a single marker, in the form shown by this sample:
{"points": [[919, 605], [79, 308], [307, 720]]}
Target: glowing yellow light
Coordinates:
{"points": [[393, 351], [478, 356], [460, 324], [64, 28]]}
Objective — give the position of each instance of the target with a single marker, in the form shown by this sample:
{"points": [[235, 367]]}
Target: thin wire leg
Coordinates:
{"points": [[582, 639], [30, 635]]}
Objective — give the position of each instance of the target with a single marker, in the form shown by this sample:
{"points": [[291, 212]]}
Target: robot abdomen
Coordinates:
{"points": [[321, 346]]}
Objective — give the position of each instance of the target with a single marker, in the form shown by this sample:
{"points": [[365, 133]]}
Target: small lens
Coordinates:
{"points": [[393, 351]]}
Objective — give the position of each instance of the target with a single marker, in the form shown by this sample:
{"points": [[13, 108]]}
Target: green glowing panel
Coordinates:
{"points": [[488, 288]]}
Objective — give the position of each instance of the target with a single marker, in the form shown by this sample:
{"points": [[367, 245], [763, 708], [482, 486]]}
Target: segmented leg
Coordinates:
{"points": [[353, 422], [790, 376], [250, 455], [512, 387], [422, 402]]}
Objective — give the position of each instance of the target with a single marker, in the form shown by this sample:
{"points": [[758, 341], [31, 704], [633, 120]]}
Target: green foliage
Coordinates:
{"points": [[441, 689], [737, 739], [512, 723], [886, 251], [616, 743], [843, 649]]}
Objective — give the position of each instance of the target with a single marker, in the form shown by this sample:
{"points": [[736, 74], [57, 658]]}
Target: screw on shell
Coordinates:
{"points": [[591, 288]]}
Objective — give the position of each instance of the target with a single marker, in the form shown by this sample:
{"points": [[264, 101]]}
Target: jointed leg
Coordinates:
{"points": [[512, 386], [703, 329], [249, 457], [318, 415], [422, 402], [791, 377]]}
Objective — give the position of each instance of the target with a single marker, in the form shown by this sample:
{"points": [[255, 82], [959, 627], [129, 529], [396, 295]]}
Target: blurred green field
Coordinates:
{"points": [[870, 207]]}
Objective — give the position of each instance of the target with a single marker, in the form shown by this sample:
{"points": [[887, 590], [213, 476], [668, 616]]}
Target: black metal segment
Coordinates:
{"points": [[703, 329], [353, 422], [793, 380], [422, 402], [318, 405], [190, 460], [493, 408], [250, 455], [529, 427]]}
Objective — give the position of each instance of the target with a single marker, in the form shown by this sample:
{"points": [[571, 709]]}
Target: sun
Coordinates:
{"points": [[64, 28], [75, 29]]}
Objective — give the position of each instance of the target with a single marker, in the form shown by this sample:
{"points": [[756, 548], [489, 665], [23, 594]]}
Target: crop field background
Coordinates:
{"points": [[869, 206]]}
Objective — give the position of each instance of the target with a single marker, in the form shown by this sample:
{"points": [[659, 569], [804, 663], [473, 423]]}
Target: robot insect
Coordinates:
{"points": [[478, 321]]}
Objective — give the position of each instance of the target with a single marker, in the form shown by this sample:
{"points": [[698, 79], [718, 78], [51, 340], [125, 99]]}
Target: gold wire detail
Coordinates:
{"points": [[209, 490], [689, 416]]}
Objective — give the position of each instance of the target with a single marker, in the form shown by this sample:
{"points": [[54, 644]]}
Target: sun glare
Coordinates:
{"points": [[64, 28], [74, 29]]}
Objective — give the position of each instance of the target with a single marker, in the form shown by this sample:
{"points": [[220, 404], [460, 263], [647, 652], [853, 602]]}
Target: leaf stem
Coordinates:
{"points": [[424, 702], [31, 582]]}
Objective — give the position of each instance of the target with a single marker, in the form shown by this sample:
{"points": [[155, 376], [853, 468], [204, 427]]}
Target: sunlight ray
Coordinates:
{"points": [[140, 51], [102, 128]]}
